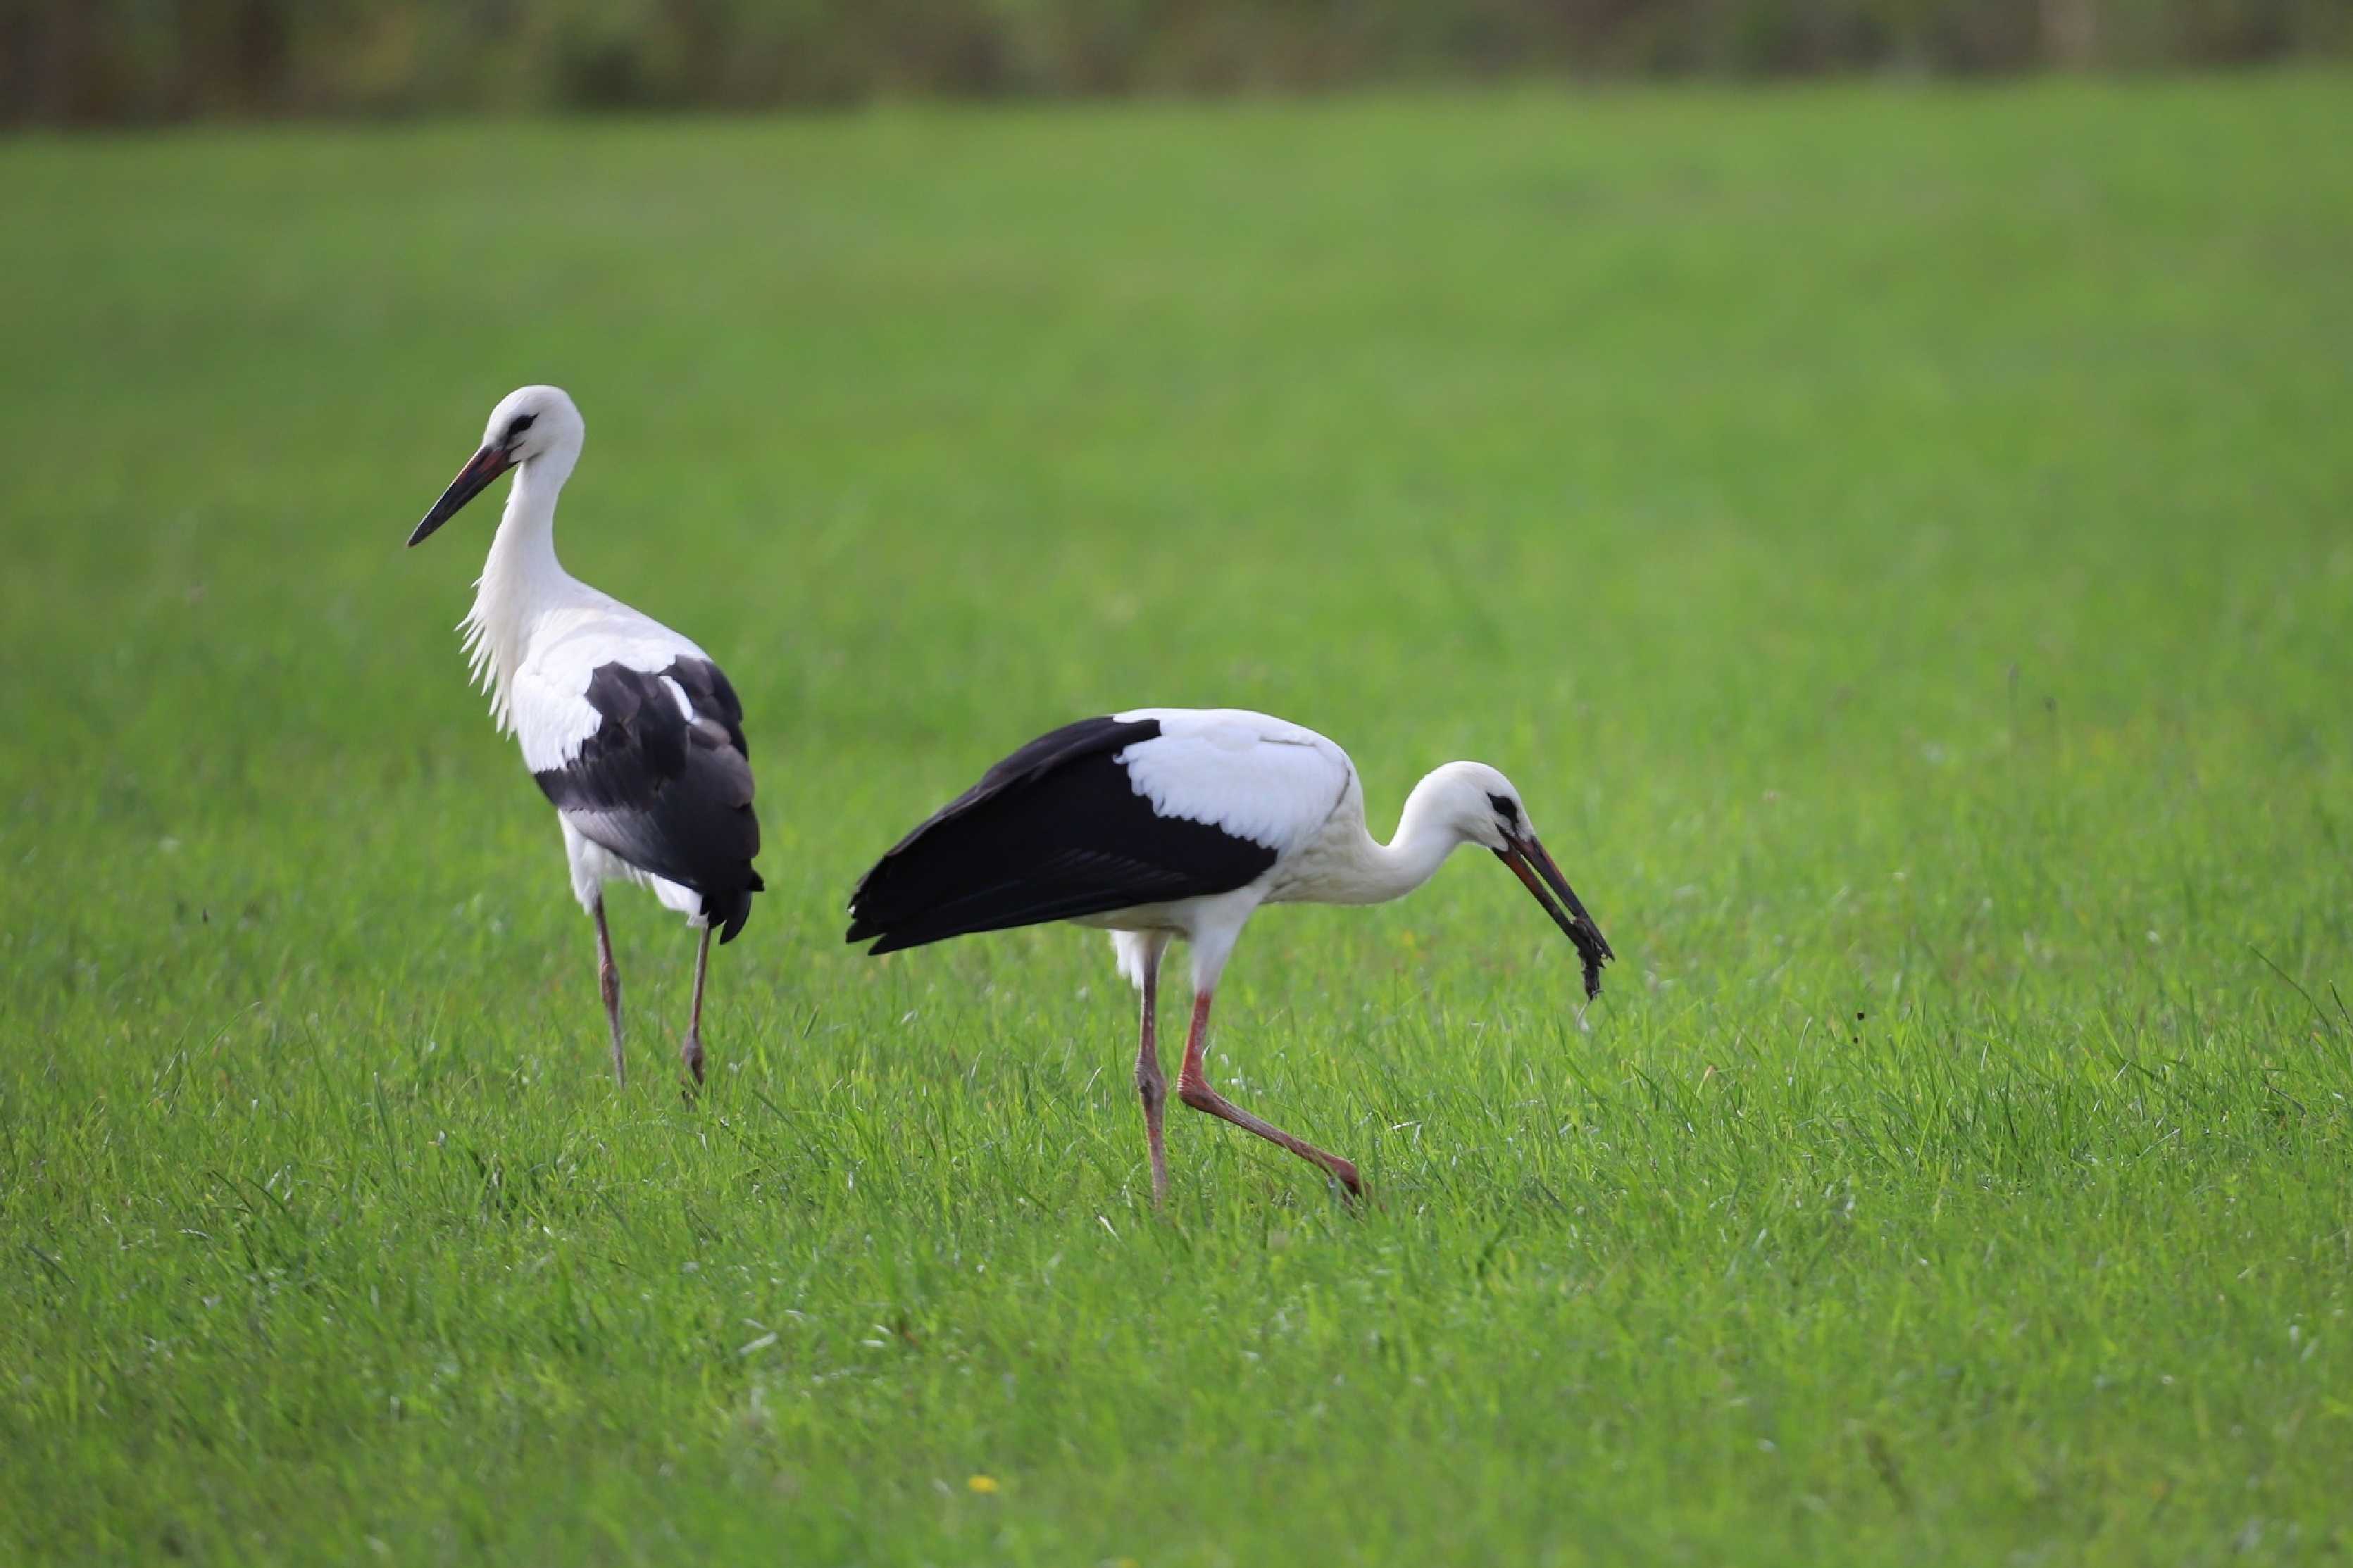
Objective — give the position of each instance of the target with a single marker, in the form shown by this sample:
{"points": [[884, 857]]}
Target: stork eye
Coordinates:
{"points": [[522, 422], [1505, 807]]}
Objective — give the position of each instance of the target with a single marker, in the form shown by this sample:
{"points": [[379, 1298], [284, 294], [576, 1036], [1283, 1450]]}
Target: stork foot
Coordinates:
{"points": [[1150, 1086], [1153, 1089], [690, 1050], [1345, 1173], [1193, 1088], [608, 986], [1197, 1094]]}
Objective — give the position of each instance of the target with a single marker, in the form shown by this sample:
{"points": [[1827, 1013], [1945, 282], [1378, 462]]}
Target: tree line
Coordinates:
{"points": [[116, 61]]}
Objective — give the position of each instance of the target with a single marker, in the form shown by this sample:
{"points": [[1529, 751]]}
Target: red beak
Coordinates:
{"points": [[1534, 868]]}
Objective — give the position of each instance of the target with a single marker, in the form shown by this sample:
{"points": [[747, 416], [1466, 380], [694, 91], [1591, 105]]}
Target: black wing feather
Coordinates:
{"points": [[1055, 831], [669, 795]]}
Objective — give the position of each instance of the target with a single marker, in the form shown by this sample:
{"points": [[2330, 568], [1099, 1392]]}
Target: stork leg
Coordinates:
{"points": [[608, 982], [691, 1051], [1193, 1088], [1149, 1084]]}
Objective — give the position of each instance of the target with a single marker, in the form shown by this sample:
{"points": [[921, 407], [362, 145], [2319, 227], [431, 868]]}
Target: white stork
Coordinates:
{"points": [[1168, 822], [630, 730]]}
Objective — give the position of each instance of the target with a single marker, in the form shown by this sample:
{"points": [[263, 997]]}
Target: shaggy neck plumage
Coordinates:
{"points": [[521, 579], [1378, 872]]}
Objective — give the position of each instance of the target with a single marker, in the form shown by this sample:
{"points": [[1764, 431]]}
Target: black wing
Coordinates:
{"points": [[1054, 831], [669, 795]]}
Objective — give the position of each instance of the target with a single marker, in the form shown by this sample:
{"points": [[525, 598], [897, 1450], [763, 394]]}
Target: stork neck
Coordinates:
{"points": [[522, 568], [521, 579], [1423, 841]]}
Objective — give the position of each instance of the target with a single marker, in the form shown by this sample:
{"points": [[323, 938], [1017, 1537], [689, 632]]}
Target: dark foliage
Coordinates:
{"points": [[90, 61]]}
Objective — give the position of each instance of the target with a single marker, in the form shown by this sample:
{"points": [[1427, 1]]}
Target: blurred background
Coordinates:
{"points": [[110, 62], [1894, 527]]}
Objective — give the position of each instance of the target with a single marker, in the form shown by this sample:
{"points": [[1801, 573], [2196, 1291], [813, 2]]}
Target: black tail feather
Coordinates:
{"points": [[728, 912], [1055, 832]]}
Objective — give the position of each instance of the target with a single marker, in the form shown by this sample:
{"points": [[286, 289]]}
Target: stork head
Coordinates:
{"points": [[530, 422], [1483, 807]]}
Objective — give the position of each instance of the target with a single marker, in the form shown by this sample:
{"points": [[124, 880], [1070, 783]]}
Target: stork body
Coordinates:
{"points": [[629, 728], [1163, 823]]}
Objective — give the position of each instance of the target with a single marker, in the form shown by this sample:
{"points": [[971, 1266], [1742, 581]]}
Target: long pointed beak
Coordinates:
{"points": [[1534, 866], [480, 468]]}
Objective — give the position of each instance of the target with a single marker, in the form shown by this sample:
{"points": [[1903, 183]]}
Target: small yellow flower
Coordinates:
{"points": [[984, 1485]]}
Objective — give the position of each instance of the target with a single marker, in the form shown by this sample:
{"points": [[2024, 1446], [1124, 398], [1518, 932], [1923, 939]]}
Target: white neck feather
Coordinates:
{"points": [[1373, 872], [521, 579]]}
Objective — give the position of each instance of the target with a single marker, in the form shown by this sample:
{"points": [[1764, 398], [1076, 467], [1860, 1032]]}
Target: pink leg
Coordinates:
{"points": [[1193, 1088], [691, 1050], [608, 983], [1150, 1085]]}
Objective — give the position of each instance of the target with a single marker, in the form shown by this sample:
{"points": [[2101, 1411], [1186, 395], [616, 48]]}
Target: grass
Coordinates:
{"points": [[1896, 539]]}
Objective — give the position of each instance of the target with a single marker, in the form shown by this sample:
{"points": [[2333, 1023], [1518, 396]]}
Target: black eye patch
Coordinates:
{"points": [[522, 422], [1505, 807]]}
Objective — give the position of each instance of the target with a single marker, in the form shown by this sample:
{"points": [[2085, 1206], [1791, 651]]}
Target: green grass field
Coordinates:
{"points": [[1897, 540]]}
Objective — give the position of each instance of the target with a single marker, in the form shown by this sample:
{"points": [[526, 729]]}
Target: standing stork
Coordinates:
{"points": [[630, 730], [1168, 822]]}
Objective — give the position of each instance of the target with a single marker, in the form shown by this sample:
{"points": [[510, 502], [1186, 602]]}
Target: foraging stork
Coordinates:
{"points": [[1168, 822], [630, 730]]}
